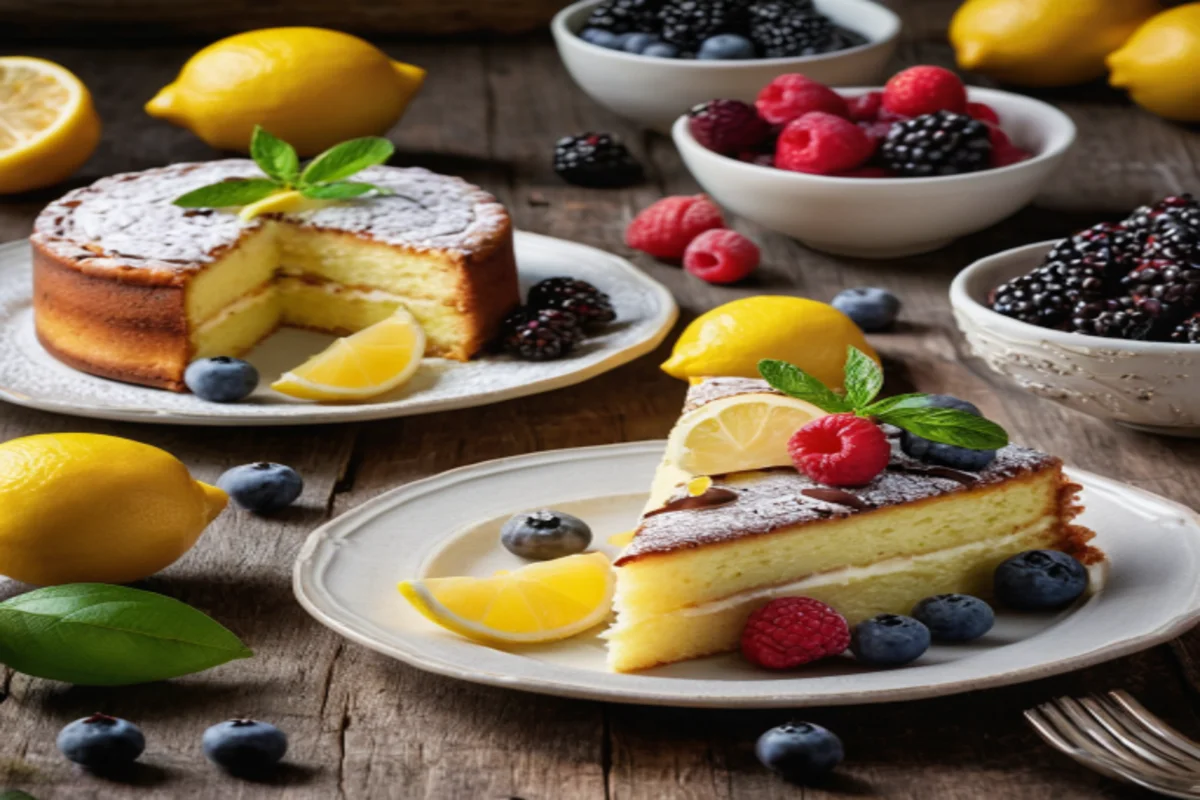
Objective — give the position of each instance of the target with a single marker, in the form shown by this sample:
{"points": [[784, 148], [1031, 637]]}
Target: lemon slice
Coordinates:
{"points": [[739, 433], [290, 200], [373, 361], [542, 602]]}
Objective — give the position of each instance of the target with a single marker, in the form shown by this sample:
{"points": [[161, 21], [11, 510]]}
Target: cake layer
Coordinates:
{"points": [[240, 325]]}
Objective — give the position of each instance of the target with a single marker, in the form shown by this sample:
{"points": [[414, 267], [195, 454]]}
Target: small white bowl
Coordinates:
{"points": [[888, 217], [1153, 386], [654, 91]]}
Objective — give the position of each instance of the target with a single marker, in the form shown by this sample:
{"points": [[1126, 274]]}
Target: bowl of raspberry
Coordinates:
{"points": [[651, 60], [876, 172], [1106, 321]]}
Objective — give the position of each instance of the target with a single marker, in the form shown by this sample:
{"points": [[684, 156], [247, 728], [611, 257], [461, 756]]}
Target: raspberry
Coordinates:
{"points": [[727, 126], [876, 132], [760, 159], [865, 107], [721, 256], [997, 137], [790, 97], [822, 144], [790, 631], [924, 90], [1003, 156], [983, 113], [664, 229], [840, 450]]}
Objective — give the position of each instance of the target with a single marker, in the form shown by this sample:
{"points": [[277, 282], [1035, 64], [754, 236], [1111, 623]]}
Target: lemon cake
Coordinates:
{"points": [[699, 564], [131, 287]]}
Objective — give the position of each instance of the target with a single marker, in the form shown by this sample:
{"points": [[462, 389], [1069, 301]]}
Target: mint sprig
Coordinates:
{"points": [[912, 412], [323, 178]]}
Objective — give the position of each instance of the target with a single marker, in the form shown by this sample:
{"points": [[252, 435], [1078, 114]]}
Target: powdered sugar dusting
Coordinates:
{"points": [[717, 388]]}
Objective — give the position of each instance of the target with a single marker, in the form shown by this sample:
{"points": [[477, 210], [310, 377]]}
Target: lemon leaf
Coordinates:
{"points": [[345, 159], [795, 382], [229, 193], [342, 190], [863, 378], [97, 634], [274, 156]]}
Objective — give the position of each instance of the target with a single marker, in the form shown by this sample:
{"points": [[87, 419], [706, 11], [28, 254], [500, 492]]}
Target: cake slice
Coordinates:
{"points": [[705, 556]]}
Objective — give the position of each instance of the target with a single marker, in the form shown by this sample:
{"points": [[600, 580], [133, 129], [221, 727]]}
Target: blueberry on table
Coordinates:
{"points": [[244, 745], [954, 617], [947, 455], [800, 751], [545, 534], [262, 487], [221, 379], [889, 640], [871, 308], [1040, 580], [101, 742], [726, 47]]}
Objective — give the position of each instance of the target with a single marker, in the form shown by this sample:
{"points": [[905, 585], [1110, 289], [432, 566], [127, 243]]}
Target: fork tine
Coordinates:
{"points": [[1150, 737], [1154, 723], [1158, 755], [1090, 728]]}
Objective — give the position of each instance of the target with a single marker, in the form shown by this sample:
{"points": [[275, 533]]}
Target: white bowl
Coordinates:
{"points": [[654, 91], [1152, 386], [888, 217]]}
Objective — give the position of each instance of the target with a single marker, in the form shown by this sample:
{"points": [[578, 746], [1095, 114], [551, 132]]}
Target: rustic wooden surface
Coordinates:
{"points": [[364, 726]]}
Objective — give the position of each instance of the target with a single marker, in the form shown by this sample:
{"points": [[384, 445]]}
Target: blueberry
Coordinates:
{"points": [[947, 455], [221, 379], [262, 487], [244, 745], [600, 37], [954, 617], [870, 308], [542, 535], [638, 42], [662, 50], [889, 640], [101, 742], [950, 401], [1040, 580], [800, 751], [726, 46]]}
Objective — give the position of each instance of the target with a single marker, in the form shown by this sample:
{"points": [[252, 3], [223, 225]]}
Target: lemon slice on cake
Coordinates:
{"points": [[541, 602], [373, 361], [738, 433]]}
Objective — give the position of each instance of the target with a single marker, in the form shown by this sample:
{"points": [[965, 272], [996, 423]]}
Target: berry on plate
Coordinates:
{"points": [[721, 256], [727, 126], [954, 617], [726, 46], [221, 379], [790, 631], [545, 534], [939, 143], [924, 90], [865, 107], [665, 228], [947, 455], [262, 487], [1040, 580], [791, 96], [801, 752], [101, 742], [889, 640], [871, 308], [983, 113], [588, 304], [822, 144], [597, 160], [244, 746], [840, 450], [540, 334]]}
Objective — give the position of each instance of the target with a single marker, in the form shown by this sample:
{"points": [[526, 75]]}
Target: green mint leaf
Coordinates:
{"points": [[864, 378], [917, 400], [95, 634], [345, 159], [340, 191], [16, 794], [229, 193], [794, 382], [948, 426], [274, 156]]}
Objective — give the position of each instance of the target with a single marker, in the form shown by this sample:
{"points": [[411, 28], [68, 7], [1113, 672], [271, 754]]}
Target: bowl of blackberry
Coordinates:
{"points": [[1106, 321], [874, 172], [651, 60]]}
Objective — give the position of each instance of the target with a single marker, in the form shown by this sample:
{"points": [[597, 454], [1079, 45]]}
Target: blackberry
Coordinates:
{"points": [[597, 160], [1168, 289], [687, 23], [585, 302], [1048, 295], [540, 334], [941, 143], [1110, 245], [1188, 331], [783, 29], [1119, 318], [626, 16], [1145, 219]]}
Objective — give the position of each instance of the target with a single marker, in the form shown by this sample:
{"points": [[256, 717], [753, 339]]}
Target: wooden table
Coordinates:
{"points": [[364, 726]]}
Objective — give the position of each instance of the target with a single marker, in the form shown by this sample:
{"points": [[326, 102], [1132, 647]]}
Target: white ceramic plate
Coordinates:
{"points": [[448, 525], [29, 376]]}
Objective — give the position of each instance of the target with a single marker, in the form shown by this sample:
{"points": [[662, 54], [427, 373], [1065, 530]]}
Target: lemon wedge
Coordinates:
{"points": [[542, 602], [373, 361], [289, 201], [738, 433]]}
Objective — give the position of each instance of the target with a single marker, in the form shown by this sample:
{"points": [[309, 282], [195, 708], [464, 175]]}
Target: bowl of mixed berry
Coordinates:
{"points": [[1106, 321], [874, 172], [651, 60]]}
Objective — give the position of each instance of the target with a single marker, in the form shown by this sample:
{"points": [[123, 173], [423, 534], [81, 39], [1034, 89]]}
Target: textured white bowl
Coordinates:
{"points": [[654, 91], [888, 217], [1152, 386]]}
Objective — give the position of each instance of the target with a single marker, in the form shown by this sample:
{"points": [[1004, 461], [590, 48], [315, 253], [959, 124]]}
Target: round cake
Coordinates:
{"points": [[131, 287]]}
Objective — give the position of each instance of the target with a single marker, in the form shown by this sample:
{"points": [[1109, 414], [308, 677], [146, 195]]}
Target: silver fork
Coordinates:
{"points": [[1116, 736]]}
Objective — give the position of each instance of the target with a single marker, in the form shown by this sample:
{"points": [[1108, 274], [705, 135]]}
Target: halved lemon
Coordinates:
{"points": [[541, 602], [738, 433], [373, 361], [48, 125]]}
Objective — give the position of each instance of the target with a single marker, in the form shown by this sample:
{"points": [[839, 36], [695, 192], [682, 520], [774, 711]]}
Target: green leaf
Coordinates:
{"points": [[794, 382], [96, 634], [341, 190], [345, 159], [16, 794], [916, 400], [229, 193], [274, 156], [948, 426], [864, 378]]}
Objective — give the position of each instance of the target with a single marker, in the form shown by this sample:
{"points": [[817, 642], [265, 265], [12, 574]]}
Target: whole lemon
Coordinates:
{"points": [[311, 87], [731, 339], [80, 507], [1160, 63], [1043, 42]]}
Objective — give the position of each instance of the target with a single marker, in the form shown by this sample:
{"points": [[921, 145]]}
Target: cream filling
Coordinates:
{"points": [[367, 295]]}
